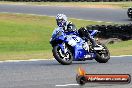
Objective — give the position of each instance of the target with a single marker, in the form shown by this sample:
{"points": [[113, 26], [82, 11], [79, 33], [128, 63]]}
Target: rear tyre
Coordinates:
{"points": [[64, 59], [103, 56]]}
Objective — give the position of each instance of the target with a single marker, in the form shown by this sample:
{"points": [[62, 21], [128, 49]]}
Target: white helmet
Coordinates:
{"points": [[61, 20]]}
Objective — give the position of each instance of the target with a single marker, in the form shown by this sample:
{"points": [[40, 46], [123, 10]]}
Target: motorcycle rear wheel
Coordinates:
{"points": [[103, 56]]}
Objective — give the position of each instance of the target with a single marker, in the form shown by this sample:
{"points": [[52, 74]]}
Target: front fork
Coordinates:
{"points": [[63, 47]]}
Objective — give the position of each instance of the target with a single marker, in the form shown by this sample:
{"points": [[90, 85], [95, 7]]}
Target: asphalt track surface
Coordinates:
{"points": [[97, 14], [50, 74]]}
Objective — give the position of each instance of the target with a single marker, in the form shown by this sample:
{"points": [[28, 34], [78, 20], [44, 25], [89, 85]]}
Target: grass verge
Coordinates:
{"points": [[27, 36], [121, 48], [78, 4]]}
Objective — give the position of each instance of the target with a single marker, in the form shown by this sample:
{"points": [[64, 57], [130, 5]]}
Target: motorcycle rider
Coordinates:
{"points": [[69, 27]]}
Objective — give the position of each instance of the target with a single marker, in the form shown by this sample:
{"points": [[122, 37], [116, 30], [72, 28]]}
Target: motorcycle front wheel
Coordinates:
{"points": [[64, 59]]}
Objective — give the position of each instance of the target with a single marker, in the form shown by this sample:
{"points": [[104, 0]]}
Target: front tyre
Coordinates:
{"points": [[64, 59], [102, 56]]}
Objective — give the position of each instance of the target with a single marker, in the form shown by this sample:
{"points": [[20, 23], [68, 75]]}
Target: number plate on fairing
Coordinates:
{"points": [[73, 40]]}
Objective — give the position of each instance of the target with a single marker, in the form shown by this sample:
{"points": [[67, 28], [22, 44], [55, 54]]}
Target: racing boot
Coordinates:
{"points": [[95, 45]]}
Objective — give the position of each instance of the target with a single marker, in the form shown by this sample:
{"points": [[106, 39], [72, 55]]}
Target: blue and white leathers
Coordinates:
{"points": [[80, 48]]}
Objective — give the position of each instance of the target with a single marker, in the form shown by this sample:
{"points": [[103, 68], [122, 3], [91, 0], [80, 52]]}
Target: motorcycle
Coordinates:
{"points": [[129, 12], [68, 48]]}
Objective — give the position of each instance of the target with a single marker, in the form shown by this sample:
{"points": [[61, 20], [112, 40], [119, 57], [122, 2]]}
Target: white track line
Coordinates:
{"points": [[54, 16], [48, 59], [25, 60], [67, 85], [122, 56]]}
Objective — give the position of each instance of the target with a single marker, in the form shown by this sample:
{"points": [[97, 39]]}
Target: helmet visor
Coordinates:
{"points": [[60, 22]]}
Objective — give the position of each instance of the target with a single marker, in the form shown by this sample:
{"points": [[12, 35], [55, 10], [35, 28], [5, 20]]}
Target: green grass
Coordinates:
{"points": [[77, 4], [18, 32], [27, 36], [121, 48]]}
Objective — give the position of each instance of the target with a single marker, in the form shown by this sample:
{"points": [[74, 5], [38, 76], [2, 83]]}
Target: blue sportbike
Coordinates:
{"points": [[70, 47]]}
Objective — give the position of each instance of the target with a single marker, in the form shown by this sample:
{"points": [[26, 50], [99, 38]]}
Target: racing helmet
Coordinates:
{"points": [[61, 20]]}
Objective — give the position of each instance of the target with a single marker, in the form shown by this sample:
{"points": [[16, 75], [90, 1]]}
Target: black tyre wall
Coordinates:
{"points": [[123, 32]]}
